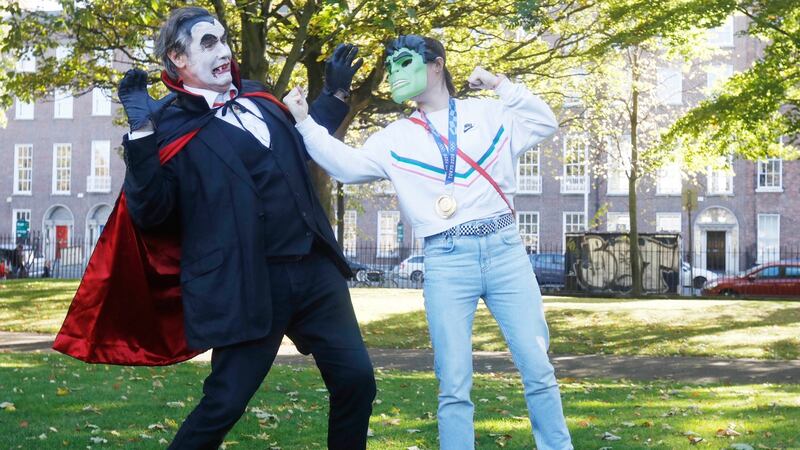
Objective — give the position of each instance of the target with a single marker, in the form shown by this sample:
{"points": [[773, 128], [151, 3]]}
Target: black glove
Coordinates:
{"points": [[139, 106], [339, 69]]}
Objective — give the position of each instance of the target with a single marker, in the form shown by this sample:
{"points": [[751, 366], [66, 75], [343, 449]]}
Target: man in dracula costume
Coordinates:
{"points": [[217, 185]]}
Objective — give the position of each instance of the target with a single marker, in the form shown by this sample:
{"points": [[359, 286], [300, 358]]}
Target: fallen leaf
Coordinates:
{"points": [[610, 437], [176, 404], [98, 440], [727, 432], [694, 440], [62, 391]]}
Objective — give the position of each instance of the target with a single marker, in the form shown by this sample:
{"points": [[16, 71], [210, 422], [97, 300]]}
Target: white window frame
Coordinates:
{"points": [[529, 175], [101, 102], [528, 223], [572, 227], [575, 79], [617, 164], [669, 181], [768, 250], [715, 178], [99, 178], [669, 217], [62, 104], [717, 75], [24, 110], [613, 220], [26, 63], [387, 249], [350, 235], [18, 169], [778, 175], [58, 172], [574, 183], [15, 215], [669, 86], [722, 35]]}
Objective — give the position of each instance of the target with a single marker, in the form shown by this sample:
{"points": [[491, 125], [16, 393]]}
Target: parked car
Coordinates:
{"points": [[697, 277], [773, 279], [412, 268], [549, 269], [359, 269]]}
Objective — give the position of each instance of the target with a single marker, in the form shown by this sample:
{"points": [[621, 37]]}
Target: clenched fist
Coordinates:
{"points": [[483, 79], [295, 100]]}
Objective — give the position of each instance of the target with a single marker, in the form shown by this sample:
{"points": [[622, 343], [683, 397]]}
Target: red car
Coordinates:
{"points": [[772, 279]]}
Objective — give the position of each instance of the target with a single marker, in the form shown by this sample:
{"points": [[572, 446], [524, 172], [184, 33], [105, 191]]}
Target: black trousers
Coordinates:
{"points": [[311, 305]]}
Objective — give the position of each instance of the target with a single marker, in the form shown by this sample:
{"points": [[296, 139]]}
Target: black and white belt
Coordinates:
{"points": [[480, 227]]}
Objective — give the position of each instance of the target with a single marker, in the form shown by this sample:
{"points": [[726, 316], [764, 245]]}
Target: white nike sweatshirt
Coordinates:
{"points": [[493, 133]]}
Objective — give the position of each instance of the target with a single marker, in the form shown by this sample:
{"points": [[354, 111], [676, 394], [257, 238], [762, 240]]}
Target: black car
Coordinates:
{"points": [[360, 270], [549, 268]]}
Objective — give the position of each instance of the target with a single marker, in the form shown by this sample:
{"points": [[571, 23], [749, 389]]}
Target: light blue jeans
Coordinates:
{"points": [[458, 271]]}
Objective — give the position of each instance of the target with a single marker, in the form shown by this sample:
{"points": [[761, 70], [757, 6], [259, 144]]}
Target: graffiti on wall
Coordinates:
{"points": [[600, 262]]}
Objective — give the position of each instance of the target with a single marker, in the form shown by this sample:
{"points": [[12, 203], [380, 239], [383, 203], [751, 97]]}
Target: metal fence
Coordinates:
{"points": [[42, 255], [589, 264]]}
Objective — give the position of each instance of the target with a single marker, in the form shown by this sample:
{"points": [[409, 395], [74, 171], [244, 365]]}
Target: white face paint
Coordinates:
{"points": [[207, 62]]}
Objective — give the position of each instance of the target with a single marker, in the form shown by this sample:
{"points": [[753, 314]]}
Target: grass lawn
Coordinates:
{"points": [[393, 318], [62, 403], [723, 328]]}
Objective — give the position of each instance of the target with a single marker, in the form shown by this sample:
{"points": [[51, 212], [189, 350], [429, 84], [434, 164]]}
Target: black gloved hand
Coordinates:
{"points": [[339, 68], [139, 106]]}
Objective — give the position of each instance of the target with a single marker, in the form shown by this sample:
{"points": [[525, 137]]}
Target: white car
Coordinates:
{"points": [[698, 277], [412, 268]]}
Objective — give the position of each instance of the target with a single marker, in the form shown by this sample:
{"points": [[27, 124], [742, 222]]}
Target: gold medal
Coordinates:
{"points": [[445, 206]]}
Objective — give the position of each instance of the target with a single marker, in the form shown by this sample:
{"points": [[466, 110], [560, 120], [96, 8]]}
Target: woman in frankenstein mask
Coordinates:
{"points": [[452, 163]]}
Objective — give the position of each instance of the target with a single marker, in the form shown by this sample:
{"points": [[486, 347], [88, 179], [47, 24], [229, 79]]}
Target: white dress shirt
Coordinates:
{"points": [[252, 121]]}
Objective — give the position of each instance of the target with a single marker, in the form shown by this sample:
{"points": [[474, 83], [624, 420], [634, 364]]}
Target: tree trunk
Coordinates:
{"points": [[636, 268], [253, 64]]}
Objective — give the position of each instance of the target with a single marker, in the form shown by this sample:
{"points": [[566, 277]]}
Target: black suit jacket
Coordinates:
{"points": [[206, 195]]}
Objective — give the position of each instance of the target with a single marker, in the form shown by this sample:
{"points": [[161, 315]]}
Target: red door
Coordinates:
{"points": [[62, 239]]}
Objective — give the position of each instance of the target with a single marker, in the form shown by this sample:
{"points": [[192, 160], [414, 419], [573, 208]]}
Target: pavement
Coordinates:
{"points": [[677, 368]]}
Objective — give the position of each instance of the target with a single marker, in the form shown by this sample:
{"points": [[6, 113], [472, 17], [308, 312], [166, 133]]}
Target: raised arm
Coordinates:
{"points": [[150, 188], [341, 161], [529, 118]]}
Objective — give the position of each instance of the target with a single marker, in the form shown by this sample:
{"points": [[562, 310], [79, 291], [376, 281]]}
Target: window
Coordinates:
{"points": [[722, 36], [770, 174], [668, 222], [669, 86], [387, 233], [19, 215], [529, 230], [62, 105], [62, 52], [717, 75], [27, 63], [574, 179], [574, 82], [101, 102], [618, 222], [62, 168], [720, 181], [529, 179], [350, 232], [574, 222], [669, 180], [23, 110], [619, 157], [23, 169], [792, 271], [769, 238], [769, 272], [99, 179]]}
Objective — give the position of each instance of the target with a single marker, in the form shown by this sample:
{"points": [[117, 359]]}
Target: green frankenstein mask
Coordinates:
{"points": [[408, 75]]}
